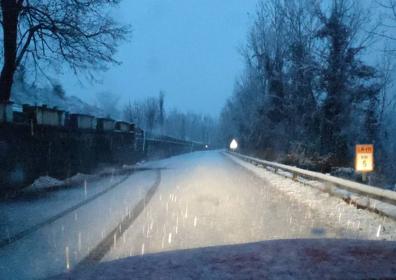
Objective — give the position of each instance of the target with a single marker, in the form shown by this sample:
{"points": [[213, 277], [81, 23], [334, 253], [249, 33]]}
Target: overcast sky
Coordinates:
{"points": [[188, 48]]}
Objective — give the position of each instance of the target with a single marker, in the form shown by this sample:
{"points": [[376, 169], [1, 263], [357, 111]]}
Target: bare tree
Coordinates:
{"points": [[80, 33], [151, 115], [134, 113], [108, 102], [386, 68], [128, 112], [150, 109], [161, 104], [301, 103], [346, 79]]}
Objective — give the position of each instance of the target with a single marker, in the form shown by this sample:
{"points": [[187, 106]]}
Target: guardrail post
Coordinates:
{"points": [[364, 177]]}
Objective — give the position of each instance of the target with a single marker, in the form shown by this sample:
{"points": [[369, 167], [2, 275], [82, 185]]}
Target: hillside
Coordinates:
{"points": [[52, 97]]}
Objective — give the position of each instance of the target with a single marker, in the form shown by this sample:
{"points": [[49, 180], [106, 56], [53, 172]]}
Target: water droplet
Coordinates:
{"points": [[379, 230], [85, 188], [67, 258], [186, 212], [79, 241]]}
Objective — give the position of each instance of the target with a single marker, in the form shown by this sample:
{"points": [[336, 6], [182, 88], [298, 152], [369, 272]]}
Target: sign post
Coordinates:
{"points": [[364, 159]]}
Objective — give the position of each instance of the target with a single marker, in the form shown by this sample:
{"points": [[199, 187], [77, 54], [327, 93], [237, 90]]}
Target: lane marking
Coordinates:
{"points": [[97, 254], [18, 236]]}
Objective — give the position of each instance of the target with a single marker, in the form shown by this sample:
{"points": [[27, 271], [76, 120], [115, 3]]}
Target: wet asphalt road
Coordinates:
{"points": [[206, 200], [190, 201]]}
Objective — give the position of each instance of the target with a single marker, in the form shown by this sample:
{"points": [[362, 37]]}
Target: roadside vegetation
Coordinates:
{"points": [[317, 81]]}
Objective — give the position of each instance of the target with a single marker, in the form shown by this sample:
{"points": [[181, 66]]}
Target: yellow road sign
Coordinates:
{"points": [[364, 158]]}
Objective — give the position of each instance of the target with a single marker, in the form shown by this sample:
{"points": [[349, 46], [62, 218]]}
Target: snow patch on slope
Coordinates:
{"points": [[22, 94], [371, 225], [44, 182]]}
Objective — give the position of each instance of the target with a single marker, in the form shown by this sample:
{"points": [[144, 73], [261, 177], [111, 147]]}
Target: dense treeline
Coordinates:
{"points": [[311, 89], [151, 115]]}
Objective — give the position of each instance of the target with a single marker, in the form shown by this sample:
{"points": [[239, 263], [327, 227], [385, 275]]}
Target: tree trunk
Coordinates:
{"points": [[10, 11]]}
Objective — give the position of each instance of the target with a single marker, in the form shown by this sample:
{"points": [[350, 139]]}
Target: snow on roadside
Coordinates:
{"points": [[78, 178], [42, 253], [44, 182], [47, 182], [26, 211], [370, 225]]}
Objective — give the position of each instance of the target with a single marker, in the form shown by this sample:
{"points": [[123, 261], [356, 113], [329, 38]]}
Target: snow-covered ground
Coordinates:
{"points": [[33, 207], [60, 245], [368, 224], [206, 199]]}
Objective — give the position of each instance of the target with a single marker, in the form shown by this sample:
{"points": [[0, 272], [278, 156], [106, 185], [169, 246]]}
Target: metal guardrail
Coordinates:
{"points": [[365, 190], [169, 139], [175, 141]]}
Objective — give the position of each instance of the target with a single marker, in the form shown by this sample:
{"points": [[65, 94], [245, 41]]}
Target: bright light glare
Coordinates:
{"points": [[233, 145], [206, 146]]}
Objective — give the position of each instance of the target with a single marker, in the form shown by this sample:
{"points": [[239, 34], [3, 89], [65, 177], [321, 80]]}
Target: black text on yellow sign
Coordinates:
{"points": [[364, 158]]}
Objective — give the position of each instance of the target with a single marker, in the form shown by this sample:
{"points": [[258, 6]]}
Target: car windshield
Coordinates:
{"points": [[211, 139]]}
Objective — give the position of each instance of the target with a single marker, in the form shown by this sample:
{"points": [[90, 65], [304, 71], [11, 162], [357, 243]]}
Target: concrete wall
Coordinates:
{"points": [[123, 126], [86, 122], [6, 114], [105, 124], [28, 151]]}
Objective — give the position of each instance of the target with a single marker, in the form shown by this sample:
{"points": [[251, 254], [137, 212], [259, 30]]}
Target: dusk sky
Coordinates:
{"points": [[188, 48]]}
